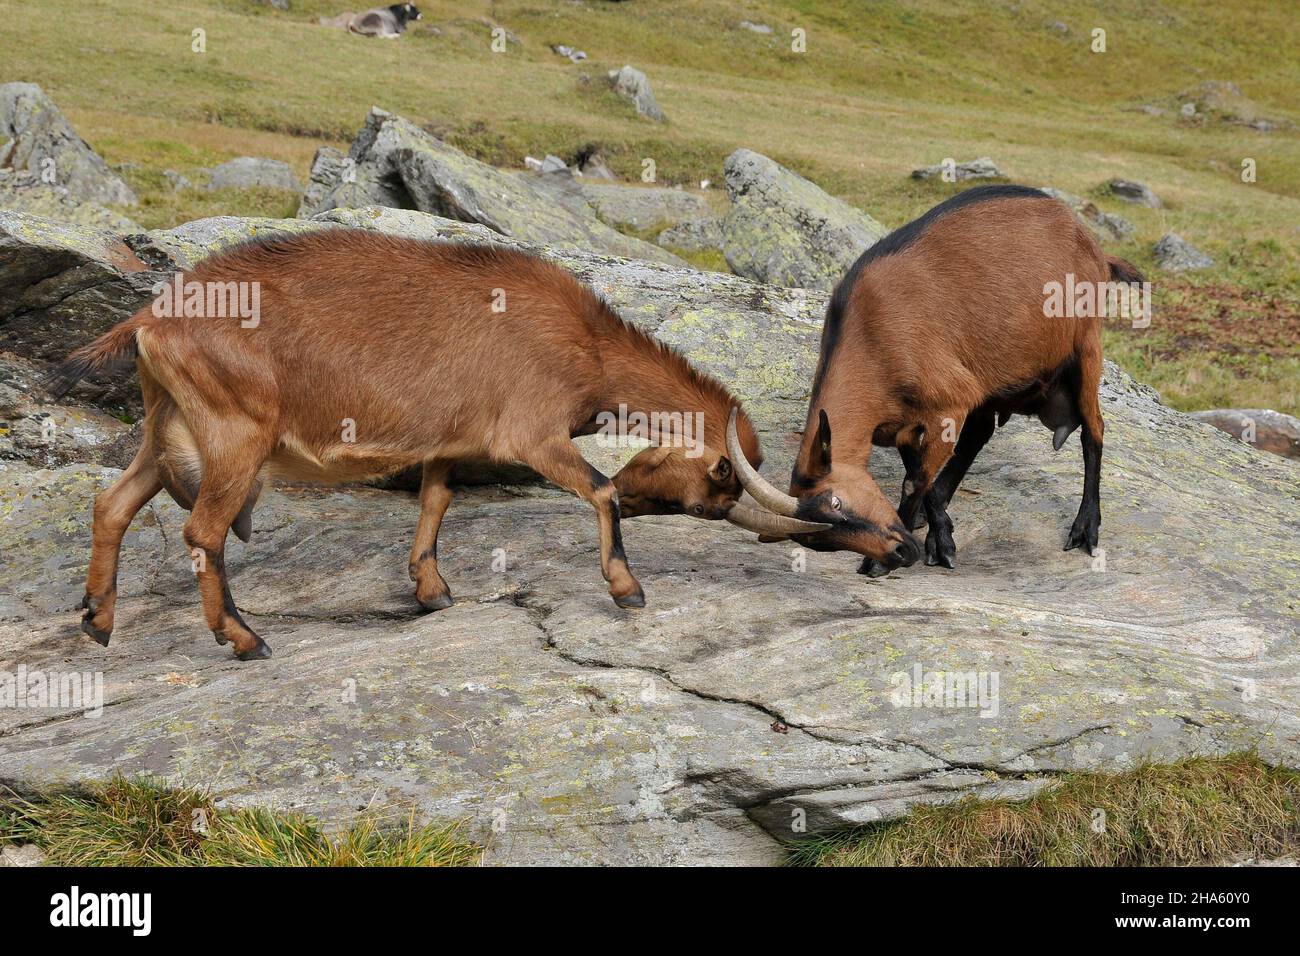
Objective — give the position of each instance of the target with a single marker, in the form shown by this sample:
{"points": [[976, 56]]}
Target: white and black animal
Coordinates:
{"points": [[387, 22]]}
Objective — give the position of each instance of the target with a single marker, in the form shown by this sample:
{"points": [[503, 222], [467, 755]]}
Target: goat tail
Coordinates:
{"points": [[111, 352], [1122, 270]]}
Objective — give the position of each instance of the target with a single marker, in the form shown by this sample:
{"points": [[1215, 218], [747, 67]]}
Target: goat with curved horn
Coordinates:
{"points": [[771, 511]]}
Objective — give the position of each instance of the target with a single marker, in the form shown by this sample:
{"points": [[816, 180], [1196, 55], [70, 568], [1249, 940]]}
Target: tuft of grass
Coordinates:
{"points": [[1200, 810], [144, 822]]}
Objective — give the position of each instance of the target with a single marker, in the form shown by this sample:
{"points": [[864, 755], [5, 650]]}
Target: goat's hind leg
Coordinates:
{"points": [[1087, 524], [230, 467], [431, 588], [115, 507], [560, 461]]}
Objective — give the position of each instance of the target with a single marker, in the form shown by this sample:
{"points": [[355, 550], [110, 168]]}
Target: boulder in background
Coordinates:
{"points": [[784, 230]]}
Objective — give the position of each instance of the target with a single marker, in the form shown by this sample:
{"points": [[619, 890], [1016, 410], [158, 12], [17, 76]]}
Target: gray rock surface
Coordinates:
{"points": [[327, 168], [1176, 254], [637, 207], [35, 431], [1137, 193], [62, 284], [634, 86], [397, 164], [693, 235], [40, 139], [782, 229], [24, 192], [1264, 428], [982, 168], [756, 693], [244, 172]]}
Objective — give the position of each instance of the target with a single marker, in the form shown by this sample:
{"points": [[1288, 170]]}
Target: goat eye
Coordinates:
{"points": [[836, 503], [697, 510]]}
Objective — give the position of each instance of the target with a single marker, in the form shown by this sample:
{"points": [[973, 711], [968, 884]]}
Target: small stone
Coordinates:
{"points": [[982, 168], [29, 854], [1175, 254], [633, 85], [1263, 428], [1137, 193], [553, 164], [249, 171], [755, 27]]}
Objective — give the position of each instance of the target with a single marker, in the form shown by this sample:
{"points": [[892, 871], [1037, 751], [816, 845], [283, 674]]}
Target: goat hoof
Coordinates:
{"points": [[1085, 533], [438, 602], [101, 637], [940, 552], [221, 638], [872, 568], [258, 652], [635, 599]]}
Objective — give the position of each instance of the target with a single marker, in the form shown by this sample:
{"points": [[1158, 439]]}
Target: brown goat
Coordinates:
{"points": [[371, 353], [936, 332]]}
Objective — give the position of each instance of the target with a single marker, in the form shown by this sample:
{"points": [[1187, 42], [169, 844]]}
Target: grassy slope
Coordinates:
{"points": [[145, 823], [1195, 812], [879, 91]]}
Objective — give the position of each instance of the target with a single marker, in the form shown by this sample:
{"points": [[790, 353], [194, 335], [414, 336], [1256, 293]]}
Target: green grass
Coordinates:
{"points": [[146, 823], [1197, 811], [883, 88]]}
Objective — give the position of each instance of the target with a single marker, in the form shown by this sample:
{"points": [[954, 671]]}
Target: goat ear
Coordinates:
{"points": [[721, 472], [822, 450]]}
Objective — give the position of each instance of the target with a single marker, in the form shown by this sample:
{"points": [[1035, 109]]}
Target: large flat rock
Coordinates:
{"points": [[754, 693]]}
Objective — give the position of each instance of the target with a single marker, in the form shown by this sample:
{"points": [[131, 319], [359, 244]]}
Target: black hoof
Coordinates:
{"points": [[636, 599], [221, 638], [940, 551], [259, 653], [439, 603], [101, 637], [1085, 534], [873, 568]]}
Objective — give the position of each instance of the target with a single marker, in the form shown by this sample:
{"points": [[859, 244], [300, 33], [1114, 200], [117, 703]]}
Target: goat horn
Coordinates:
{"points": [[777, 502], [761, 521]]}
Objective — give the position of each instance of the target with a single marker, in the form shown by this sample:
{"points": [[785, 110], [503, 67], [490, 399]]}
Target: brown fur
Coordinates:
{"points": [[399, 337], [936, 339]]}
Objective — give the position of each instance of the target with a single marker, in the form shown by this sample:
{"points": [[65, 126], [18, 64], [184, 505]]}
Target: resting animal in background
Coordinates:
{"points": [[388, 22], [366, 354], [937, 332]]}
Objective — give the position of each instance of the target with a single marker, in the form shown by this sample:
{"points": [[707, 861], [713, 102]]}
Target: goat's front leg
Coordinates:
{"points": [[922, 460], [430, 588], [939, 546], [560, 461]]}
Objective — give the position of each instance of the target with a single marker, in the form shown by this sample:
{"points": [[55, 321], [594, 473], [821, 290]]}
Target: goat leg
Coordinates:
{"points": [[431, 589]]}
